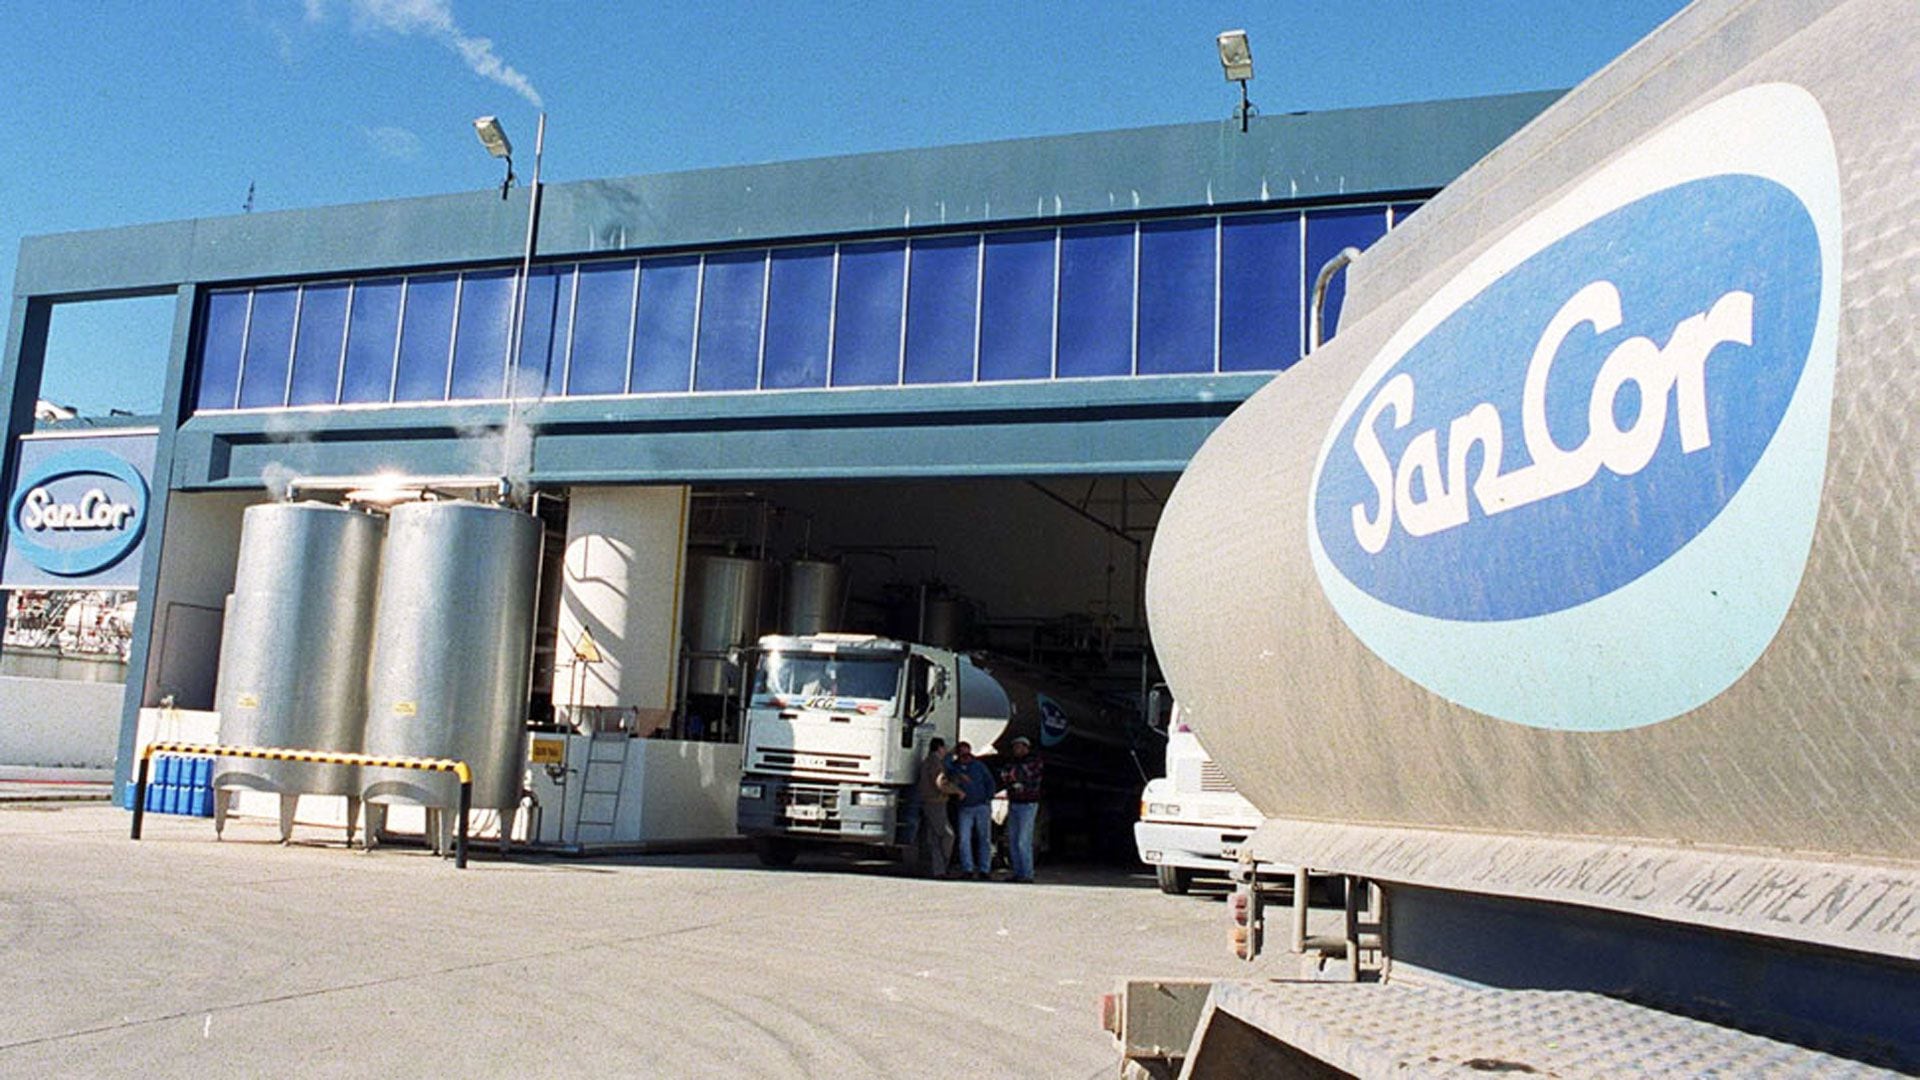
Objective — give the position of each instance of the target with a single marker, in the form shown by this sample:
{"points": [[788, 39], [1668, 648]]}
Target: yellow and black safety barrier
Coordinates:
{"points": [[323, 757]]}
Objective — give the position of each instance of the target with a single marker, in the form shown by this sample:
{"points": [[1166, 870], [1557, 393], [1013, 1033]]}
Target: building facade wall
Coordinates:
{"points": [[1141, 358]]}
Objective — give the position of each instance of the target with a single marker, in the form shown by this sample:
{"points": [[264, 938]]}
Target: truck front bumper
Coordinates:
{"points": [[813, 810], [1213, 848]]}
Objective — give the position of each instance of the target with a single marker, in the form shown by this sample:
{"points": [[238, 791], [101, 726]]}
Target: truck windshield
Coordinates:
{"points": [[810, 678]]}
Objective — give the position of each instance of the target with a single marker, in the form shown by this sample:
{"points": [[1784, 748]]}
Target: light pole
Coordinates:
{"points": [[1236, 60], [494, 138]]}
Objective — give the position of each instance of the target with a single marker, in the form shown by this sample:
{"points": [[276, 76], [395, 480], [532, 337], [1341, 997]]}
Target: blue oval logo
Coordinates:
{"points": [[1577, 488], [78, 513], [1054, 724], [1582, 419]]}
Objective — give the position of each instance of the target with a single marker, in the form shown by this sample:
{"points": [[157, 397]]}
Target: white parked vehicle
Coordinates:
{"points": [[1192, 819]]}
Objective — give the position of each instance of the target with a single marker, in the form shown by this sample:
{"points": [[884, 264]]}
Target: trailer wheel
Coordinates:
{"points": [[774, 852], [1174, 880]]}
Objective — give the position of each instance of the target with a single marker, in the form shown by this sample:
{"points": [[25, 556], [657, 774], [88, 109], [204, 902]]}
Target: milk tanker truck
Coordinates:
{"points": [[838, 724], [1567, 604]]}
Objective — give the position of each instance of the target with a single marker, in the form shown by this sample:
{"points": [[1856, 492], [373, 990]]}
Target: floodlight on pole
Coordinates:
{"points": [[494, 138], [1236, 62]]}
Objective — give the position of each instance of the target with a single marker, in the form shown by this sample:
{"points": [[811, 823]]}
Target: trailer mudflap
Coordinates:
{"points": [[1154, 1020]]}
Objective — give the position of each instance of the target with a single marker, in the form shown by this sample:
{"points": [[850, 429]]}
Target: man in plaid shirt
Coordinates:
{"points": [[1022, 778]]}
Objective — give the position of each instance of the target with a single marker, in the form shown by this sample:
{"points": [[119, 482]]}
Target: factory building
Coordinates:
{"points": [[938, 394]]}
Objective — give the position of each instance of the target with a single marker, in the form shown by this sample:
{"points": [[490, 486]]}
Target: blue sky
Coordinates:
{"points": [[123, 112]]}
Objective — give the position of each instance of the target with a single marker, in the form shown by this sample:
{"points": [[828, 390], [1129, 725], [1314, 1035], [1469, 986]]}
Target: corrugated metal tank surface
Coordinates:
{"points": [[723, 610], [814, 598], [293, 654], [451, 650]]}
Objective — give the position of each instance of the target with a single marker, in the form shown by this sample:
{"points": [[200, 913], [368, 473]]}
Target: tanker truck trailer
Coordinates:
{"points": [[1567, 604]]}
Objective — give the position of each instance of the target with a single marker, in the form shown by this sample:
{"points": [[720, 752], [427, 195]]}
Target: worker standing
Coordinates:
{"points": [[1022, 778], [935, 835], [975, 781]]}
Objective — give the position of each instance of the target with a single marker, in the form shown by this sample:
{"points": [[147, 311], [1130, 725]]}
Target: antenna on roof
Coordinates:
{"points": [[248, 208]]}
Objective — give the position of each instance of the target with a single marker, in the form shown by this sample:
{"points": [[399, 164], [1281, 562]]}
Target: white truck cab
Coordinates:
{"points": [[1192, 820], [836, 729]]}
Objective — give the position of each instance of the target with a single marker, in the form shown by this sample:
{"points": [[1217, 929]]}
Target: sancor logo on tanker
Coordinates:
{"points": [[1638, 367], [1613, 415]]}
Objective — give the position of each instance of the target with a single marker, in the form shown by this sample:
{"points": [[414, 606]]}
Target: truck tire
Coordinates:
{"points": [[1174, 880], [774, 852]]}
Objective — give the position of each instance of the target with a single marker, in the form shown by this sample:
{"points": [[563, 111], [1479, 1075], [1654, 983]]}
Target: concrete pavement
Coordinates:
{"points": [[178, 955]]}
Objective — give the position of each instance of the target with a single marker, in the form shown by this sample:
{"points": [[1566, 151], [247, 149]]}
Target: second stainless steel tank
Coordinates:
{"points": [[451, 649], [722, 611], [814, 599], [293, 650], [945, 619]]}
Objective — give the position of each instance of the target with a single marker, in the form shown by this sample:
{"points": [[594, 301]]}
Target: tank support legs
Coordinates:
{"points": [[289, 803], [376, 824], [440, 830], [353, 815]]}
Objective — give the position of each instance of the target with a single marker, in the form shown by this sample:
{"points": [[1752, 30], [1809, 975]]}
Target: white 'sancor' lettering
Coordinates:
{"points": [[95, 510], [1426, 498]]}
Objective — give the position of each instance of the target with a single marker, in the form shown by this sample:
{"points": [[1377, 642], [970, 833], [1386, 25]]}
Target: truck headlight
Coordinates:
{"points": [[872, 798], [751, 791], [1163, 809]]}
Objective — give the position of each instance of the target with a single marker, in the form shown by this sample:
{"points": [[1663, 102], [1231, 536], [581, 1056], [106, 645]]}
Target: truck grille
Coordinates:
{"points": [[787, 763], [1212, 779], [814, 806]]}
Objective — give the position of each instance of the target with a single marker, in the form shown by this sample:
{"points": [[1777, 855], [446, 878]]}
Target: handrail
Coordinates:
{"points": [[1321, 281], [323, 757]]}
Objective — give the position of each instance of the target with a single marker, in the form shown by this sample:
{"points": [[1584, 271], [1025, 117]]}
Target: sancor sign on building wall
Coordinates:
{"points": [[77, 514]]}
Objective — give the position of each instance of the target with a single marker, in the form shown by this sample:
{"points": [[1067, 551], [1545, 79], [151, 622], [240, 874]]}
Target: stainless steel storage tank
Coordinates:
{"points": [[722, 611], [945, 619], [293, 652], [452, 644], [815, 598]]}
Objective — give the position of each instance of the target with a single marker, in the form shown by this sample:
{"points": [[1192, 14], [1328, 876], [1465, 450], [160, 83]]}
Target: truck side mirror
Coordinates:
{"points": [[1156, 717]]}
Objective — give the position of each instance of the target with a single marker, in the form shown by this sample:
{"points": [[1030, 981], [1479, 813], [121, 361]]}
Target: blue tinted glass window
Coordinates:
{"points": [[663, 334], [730, 322], [602, 327], [426, 339], [1403, 211], [942, 287], [866, 314], [480, 341], [316, 349], [1096, 301], [1259, 292], [799, 304], [371, 333], [1327, 232], [263, 381], [221, 336], [1016, 306], [543, 341], [1176, 296]]}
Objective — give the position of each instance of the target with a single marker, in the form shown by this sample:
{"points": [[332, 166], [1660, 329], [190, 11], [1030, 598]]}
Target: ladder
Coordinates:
{"points": [[600, 790]]}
